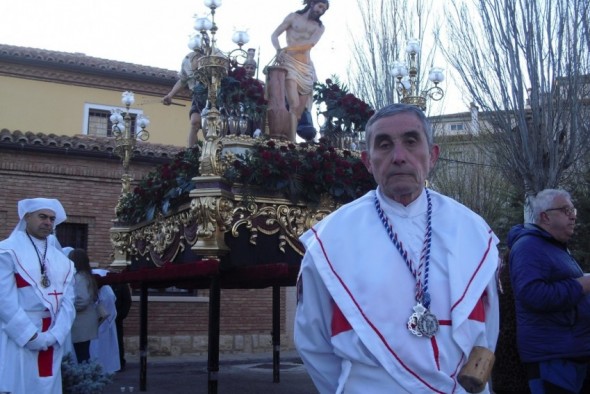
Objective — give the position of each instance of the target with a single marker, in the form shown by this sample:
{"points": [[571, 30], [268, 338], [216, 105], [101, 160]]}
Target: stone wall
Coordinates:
{"points": [[192, 345]]}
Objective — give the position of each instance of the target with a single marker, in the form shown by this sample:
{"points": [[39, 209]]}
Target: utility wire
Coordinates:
{"points": [[468, 162]]}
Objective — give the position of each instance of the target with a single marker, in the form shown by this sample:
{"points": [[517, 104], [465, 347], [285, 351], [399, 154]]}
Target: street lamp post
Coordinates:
{"points": [[210, 68], [407, 77], [126, 137]]}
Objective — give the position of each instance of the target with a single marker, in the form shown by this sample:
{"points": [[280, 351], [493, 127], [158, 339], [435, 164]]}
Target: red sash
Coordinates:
{"points": [[45, 358]]}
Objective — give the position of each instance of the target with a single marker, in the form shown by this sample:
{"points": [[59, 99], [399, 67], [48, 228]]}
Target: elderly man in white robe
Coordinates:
{"points": [[105, 348], [36, 301], [397, 288]]}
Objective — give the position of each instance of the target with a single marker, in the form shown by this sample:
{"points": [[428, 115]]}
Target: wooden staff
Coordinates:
{"points": [[154, 101]]}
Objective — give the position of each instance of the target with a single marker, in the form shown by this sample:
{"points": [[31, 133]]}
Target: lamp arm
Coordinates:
{"points": [[435, 93]]}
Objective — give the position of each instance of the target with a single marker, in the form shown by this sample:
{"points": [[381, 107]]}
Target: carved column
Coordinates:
{"points": [[211, 205], [278, 117], [120, 239]]}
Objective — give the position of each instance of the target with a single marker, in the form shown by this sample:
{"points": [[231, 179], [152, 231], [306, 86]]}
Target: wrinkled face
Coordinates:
{"points": [[40, 223], [557, 222], [399, 157]]}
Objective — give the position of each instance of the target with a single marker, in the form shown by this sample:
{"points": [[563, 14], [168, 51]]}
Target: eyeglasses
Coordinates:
{"points": [[569, 211]]}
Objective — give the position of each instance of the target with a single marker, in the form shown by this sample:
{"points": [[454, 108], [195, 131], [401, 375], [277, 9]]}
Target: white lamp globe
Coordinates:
{"points": [[127, 98], [143, 121], [194, 42], [240, 37], [413, 46], [436, 75], [212, 3]]}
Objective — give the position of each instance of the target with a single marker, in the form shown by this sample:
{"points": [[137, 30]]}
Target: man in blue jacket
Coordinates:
{"points": [[551, 295]]}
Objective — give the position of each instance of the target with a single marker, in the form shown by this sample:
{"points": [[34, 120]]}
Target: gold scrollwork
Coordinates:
{"points": [[289, 221], [211, 158], [212, 213], [121, 241], [164, 232], [212, 216], [232, 146], [161, 239]]}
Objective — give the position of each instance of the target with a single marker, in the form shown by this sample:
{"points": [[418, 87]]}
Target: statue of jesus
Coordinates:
{"points": [[303, 29]]}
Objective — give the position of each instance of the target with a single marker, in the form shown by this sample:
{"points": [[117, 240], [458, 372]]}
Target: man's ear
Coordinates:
{"points": [[434, 153], [366, 159]]}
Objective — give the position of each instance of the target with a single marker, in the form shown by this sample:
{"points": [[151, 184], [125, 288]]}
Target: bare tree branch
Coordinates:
{"points": [[525, 64], [387, 24]]}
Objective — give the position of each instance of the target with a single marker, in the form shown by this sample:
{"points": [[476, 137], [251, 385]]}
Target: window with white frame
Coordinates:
{"points": [[97, 120], [457, 127]]}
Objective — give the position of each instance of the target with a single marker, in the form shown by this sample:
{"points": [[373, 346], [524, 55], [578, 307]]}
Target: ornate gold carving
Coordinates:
{"points": [[213, 216], [120, 239], [211, 156], [288, 220], [218, 154], [163, 238], [232, 146], [210, 71], [203, 224], [212, 62], [215, 209], [417, 101]]}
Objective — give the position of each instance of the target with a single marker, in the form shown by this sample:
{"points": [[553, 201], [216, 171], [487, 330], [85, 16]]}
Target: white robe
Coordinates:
{"points": [[105, 348], [356, 295], [25, 306]]}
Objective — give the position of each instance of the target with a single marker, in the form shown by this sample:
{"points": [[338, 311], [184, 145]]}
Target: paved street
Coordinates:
{"points": [[237, 374]]}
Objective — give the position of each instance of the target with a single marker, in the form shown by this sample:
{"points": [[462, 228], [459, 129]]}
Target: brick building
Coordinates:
{"points": [[48, 147]]}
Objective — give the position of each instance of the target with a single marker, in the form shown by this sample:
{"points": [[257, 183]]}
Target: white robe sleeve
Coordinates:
{"points": [[492, 314], [13, 317], [313, 319], [65, 316]]}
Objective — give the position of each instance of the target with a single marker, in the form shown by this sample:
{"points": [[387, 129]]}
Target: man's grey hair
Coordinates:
{"points": [[396, 109], [544, 200]]}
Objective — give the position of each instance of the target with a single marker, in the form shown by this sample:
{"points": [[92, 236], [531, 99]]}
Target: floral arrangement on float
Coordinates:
{"points": [[304, 172], [241, 98], [343, 112], [162, 189]]}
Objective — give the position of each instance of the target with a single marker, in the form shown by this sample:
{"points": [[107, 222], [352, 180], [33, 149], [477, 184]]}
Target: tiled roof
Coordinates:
{"points": [[81, 63], [82, 145]]}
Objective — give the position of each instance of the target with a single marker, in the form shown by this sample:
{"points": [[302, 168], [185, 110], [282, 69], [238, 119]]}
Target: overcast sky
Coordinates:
{"points": [[155, 33]]}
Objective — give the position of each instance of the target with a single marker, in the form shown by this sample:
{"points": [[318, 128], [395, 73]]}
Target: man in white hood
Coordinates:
{"points": [[36, 300]]}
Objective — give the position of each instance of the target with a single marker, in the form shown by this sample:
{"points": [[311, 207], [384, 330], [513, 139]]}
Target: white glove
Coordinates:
{"points": [[42, 342]]}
